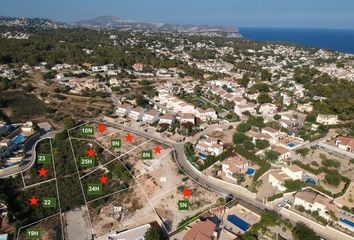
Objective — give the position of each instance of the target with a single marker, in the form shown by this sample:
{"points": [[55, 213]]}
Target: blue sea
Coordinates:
{"points": [[334, 39]]}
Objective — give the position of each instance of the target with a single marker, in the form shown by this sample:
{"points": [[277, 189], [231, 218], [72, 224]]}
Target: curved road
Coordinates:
{"points": [[228, 189], [192, 172], [29, 154]]}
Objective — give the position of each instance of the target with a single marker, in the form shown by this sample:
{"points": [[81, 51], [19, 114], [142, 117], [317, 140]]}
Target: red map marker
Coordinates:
{"points": [[33, 201], [129, 137], [91, 152], [157, 149], [101, 128], [103, 180], [42, 172], [187, 192]]}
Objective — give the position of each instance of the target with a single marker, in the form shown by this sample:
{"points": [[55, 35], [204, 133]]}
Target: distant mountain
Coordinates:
{"points": [[116, 22], [24, 22], [111, 22]]}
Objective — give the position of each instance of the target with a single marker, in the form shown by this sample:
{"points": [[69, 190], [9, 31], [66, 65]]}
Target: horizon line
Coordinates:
{"points": [[71, 22]]}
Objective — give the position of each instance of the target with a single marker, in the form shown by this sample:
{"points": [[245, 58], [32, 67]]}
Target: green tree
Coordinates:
{"points": [[333, 178], [302, 151], [303, 232], [243, 127], [249, 145], [154, 233], [271, 155], [68, 123], [264, 98], [240, 138], [294, 185], [2, 102], [256, 121], [262, 143], [277, 117], [244, 81]]}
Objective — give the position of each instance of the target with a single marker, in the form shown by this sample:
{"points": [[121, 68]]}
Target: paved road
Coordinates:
{"points": [[192, 172], [228, 189], [29, 154]]}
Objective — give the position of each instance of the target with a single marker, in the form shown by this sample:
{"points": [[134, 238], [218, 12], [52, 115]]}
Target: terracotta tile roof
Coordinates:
{"points": [[269, 129], [347, 141], [202, 230], [294, 168], [281, 150]]}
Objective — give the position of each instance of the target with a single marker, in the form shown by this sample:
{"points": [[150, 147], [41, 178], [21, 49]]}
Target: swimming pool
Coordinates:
{"points": [[250, 171], [347, 222], [291, 145], [310, 181], [18, 139], [202, 156]]}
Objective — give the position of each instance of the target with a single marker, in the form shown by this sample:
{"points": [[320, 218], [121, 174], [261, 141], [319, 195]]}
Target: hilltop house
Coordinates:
{"points": [[327, 119], [202, 230], [313, 201], [267, 108], [136, 114], [151, 116], [123, 110], [283, 152], [210, 145], [233, 165], [187, 117], [167, 119], [206, 115], [276, 179], [345, 143]]}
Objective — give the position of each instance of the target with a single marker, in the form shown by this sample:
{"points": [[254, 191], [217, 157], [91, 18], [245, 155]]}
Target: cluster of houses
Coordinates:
{"points": [[140, 114], [7, 72], [208, 146], [12, 136], [186, 111], [280, 142]]}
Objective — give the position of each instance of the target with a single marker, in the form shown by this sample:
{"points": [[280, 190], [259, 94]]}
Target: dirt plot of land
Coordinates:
{"points": [[119, 211], [159, 175], [49, 229], [153, 185], [140, 165], [346, 168], [113, 133], [224, 136], [348, 198], [167, 204]]}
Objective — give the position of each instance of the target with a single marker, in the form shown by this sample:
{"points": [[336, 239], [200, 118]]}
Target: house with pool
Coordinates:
{"points": [[11, 145], [314, 201], [289, 172], [233, 165]]}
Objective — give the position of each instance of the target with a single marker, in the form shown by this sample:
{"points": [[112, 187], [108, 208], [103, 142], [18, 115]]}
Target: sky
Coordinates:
{"points": [[239, 13]]}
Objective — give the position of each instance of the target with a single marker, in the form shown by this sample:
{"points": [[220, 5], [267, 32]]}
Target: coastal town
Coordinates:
{"points": [[198, 137]]}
